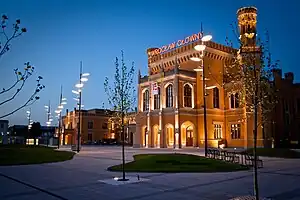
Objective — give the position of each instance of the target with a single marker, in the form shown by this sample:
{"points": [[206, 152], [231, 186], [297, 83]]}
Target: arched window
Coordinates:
{"points": [[216, 98], [237, 100], [187, 96], [169, 97], [234, 100], [157, 100], [146, 100]]}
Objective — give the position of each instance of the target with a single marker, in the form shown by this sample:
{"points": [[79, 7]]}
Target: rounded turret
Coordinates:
{"points": [[247, 20]]}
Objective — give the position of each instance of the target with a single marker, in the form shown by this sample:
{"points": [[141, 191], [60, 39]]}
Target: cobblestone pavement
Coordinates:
{"points": [[79, 179]]}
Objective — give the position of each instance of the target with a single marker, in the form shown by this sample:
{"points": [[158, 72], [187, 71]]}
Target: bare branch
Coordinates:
{"points": [[33, 98], [17, 31]]}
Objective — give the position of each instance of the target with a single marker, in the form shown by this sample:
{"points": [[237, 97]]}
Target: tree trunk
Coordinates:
{"points": [[256, 192]]}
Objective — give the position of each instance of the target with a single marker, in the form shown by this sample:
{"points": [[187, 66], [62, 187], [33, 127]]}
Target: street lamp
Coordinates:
{"points": [[82, 79], [49, 119], [200, 48], [28, 113], [62, 102]]}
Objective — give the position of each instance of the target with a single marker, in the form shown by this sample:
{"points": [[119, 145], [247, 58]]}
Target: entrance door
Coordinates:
{"points": [[189, 138]]}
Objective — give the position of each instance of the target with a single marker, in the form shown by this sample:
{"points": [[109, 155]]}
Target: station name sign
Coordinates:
{"points": [[179, 43]]}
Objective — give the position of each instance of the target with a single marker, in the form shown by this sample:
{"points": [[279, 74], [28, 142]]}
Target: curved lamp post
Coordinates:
{"points": [[49, 119], [201, 48], [82, 79], [62, 102]]}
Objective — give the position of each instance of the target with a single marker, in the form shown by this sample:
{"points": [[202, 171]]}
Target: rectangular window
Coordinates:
{"points": [[2, 125], [90, 136], [235, 131], [217, 131], [234, 101], [104, 126], [216, 100], [90, 125]]}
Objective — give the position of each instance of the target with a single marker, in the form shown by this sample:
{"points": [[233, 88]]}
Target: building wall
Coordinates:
{"points": [[95, 125], [174, 126], [3, 127]]}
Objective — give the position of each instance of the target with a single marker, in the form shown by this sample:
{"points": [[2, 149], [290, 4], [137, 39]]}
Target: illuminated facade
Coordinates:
{"points": [[95, 125], [170, 98]]}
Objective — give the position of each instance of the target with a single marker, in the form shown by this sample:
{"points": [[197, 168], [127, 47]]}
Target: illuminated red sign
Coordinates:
{"points": [[173, 45]]}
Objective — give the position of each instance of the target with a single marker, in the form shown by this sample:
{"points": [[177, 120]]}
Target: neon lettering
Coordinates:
{"points": [[171, 46]]}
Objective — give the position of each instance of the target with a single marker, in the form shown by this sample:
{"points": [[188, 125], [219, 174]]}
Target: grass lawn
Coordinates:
{"points": [[176, 163], [23, 155], [277, 153]]}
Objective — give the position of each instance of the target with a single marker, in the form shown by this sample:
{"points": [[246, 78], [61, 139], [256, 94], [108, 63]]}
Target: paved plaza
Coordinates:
{"points": [[82, 178]]}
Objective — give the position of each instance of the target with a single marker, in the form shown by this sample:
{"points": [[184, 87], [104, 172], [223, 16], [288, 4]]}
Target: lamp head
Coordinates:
{"points": [[206, 38]]}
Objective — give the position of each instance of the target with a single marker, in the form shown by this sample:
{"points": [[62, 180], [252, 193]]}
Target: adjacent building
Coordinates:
{"points": [[170, 98], [284, 127], [95, 125]]}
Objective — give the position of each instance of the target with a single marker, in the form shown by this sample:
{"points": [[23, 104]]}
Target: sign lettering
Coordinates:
{"points": [[179, 43], [154, 88]]}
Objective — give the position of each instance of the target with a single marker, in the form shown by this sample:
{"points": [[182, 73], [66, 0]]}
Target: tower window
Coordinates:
{"points": [[169, 97], [187, 96]]}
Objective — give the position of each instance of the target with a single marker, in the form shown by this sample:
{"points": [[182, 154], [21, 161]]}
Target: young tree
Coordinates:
{"points": [[35, 131], [21, 76], [250, 71], [121, 97]]}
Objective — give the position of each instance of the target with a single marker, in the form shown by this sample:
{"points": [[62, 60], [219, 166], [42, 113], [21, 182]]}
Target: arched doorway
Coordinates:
{"points": [[169, 131], [187, 134], [156, 136]]}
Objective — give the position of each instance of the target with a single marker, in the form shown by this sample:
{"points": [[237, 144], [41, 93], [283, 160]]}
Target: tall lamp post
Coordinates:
{"points": [[200, 48], [30, 121], [82, 78], [62, 102], [49, 120]]}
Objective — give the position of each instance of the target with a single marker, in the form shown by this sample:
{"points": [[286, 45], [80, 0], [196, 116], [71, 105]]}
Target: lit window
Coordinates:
{"points": [[157, 100], [234, 100], [146, 100], [169, 97], [217, 131], [235, 131]]}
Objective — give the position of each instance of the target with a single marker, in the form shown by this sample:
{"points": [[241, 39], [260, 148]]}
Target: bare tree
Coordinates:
{"points": [[121, 96], [21, 76], [250, 72]]}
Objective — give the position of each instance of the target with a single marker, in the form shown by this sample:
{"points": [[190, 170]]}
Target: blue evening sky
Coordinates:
{"points": [[61, 33]]}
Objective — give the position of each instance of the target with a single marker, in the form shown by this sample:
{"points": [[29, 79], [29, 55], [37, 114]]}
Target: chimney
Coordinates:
{"points": [[277, 74], [289, 76]]}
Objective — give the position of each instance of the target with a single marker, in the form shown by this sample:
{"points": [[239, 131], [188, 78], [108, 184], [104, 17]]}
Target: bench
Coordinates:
{"points": [[232, 157], [249, 161]]}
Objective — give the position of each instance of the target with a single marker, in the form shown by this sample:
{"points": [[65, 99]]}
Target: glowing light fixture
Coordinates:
{"points": [[79, 85], [210, 87], [75, 92], [206, 38], [200, 47], [84, 79], [85, 74], [196, 59], [198, 69]]}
